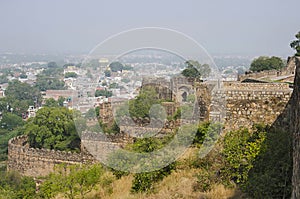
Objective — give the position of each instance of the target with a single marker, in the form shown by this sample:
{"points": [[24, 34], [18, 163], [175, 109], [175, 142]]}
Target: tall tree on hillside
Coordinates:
{"points": [[296, 44], [266, 63]]}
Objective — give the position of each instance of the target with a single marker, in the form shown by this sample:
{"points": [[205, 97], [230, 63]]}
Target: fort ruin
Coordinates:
{"points": [[245, 104]]}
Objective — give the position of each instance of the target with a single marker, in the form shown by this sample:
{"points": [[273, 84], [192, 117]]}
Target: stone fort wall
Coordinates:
{"points": [[251, 103], [245, 105], [39, 162]]}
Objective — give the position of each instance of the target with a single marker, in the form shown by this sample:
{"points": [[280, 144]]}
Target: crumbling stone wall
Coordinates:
{"points": [[39, 162], [250, 103]]}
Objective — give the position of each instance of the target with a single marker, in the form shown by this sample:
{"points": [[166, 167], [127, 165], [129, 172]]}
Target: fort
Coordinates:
{"points": [[236, 104]]}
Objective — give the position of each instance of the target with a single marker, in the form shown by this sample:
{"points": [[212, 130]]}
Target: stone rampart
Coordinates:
{"points": [[251, 103], [40, 162]]}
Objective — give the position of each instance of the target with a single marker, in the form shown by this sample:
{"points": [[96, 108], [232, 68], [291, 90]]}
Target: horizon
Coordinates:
{"points": [[75, 27]]}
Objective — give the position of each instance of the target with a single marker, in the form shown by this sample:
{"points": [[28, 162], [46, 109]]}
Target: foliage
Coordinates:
{"points": [[116, 66], [105, 93], [110, 129], [52, 65], [71, 74], [20, 96], [266, 63], [10, 121], [5, 136], [74, 180], [45, 82], [196, 70], [144, 182], [53, 128], [296, 44], [14, 186], [191, 71], [113, 85], [107, 73], [127, 67], [140, 106], [51, 103], [23, 76], [271, 174], [201, 133], [240, 150], [90, 114]]}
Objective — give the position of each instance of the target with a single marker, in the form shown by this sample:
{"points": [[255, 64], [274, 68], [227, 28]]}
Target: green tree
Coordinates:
{"points": [[116, 66], [266, 63], [271, 175], [296, 44], [52, 65], [74, 180], [44, 83], [107, 73], [11, 121], [19, 96], [51, 103], [140, 106], [71, 74], [23, 76], [105, 93], [241, 148], [196, 70], [14, 186], [53, 128]]}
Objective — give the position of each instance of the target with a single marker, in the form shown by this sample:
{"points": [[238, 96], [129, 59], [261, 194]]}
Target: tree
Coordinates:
{"points": [[14, 186], [19, 96], [266, 63], [196, 70], [296, 44], [105, 93], [44, 83], [53, 128], [107, 73], [52, 65], [51, 103], [23, 76], [11, 121], [71, 74], [74, 180], [140, 106], [116, 66]]}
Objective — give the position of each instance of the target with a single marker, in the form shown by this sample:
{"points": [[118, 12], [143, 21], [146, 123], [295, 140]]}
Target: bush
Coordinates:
{"points": [[271, 174], [241, 148]]}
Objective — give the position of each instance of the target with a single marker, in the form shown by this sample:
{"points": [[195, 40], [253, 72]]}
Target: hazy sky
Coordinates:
{"points": [[221, 26]]}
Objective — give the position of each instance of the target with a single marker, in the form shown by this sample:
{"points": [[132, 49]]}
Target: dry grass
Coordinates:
{"points": [[178, 185], [220, 192]]}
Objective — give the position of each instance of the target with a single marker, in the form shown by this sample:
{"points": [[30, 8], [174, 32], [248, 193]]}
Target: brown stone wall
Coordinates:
{"points": [[250, 103], [39, 162]]}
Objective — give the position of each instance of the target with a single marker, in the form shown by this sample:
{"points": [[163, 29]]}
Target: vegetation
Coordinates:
{"points": [[54, 103], [140, 106], [71, 74], [105, 93], [196, 70], [116, 66], [53, 128], [19, 96], [266, 63], [45, 82], [74, 181], [296, 44], [14, 186]]}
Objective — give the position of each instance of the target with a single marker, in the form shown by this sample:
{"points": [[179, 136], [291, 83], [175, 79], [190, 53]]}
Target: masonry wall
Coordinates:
{"points": [[39, 162], [251, 103]]}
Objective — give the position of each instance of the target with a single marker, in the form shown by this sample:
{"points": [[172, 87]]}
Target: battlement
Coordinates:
{"points": [[39, 162]]}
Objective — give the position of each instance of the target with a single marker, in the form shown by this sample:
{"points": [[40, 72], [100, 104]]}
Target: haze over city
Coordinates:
{"points": [[222, 27]]}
